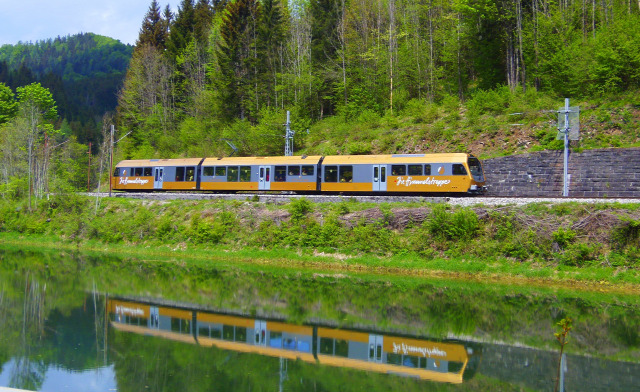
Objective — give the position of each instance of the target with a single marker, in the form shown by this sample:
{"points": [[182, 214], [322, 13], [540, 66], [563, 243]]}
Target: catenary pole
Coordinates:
{"points": [[565, 189]]}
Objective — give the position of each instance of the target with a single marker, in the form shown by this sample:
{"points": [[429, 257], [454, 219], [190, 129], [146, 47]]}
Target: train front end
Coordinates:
{"points": [[478, 182]]}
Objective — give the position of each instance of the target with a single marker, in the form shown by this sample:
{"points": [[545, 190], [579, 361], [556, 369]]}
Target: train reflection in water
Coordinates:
{"points": [[442, 361]]}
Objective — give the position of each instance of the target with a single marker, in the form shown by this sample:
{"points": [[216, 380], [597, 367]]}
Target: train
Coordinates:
{"points": [[428, 359], [454, 173]]}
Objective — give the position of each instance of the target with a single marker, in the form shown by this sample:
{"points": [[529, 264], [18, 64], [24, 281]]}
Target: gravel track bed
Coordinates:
{"points": [[282, 198]]}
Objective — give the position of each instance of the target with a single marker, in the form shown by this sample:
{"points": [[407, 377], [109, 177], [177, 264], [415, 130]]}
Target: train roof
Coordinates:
{"points": [[301, 160], [284, 160], [395, 158], [159, 162]]}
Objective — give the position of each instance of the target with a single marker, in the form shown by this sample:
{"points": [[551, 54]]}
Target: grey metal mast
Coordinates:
{"points": [[288, 145]]}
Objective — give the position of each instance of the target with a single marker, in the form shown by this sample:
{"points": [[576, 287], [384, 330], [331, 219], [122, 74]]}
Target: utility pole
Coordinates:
{"points": [[111, 159], [568, 129], [565, 188], [89, 170], [288, 143]]}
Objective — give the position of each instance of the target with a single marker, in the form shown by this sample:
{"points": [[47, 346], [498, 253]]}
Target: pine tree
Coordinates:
{"points": [[271, 35], [203, 15], [325, 17], [182, 28], [154, 28], [237, 59]]}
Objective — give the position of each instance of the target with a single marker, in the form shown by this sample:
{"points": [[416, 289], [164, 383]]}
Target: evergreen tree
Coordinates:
{"points": [[325, 17], [154, 28], [203, 15], [237, 59], [271, 36], [181, 31]]}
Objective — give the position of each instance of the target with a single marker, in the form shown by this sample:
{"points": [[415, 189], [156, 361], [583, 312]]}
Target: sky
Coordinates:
{"points": [[35, 20]]}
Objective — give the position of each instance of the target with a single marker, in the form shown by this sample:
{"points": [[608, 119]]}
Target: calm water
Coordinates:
{"points": [[91, 323]]}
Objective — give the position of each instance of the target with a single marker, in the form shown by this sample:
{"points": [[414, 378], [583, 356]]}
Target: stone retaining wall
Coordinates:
{"points": [[593, 173]]}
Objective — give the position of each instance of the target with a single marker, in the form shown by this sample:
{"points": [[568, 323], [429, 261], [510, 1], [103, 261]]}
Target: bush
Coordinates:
{"points": [[299, 208], [460, 225], [563, 237]]}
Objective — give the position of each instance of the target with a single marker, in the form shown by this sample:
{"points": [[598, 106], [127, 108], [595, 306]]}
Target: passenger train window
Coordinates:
{"points": [[204, 331], [221, 171], [137, 171], [394, 359], [427, 170], [398, 170], [474, 166], [307, 170], [207, 171], [280, 174], [179, 173], [415, 170], [342, 348], [346, 173], [191, 173], [232, 174], [294, 170], [326, 346], [148, 171], [116, 173], [459, 170], [245, 173], [228, 332], [331, 174]]}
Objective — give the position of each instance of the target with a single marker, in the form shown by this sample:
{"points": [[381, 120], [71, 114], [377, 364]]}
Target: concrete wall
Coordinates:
{"points": [[593, 173]]}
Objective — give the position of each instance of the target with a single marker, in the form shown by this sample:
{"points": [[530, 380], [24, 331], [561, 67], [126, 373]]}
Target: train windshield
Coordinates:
{"points": [[475, 167]]}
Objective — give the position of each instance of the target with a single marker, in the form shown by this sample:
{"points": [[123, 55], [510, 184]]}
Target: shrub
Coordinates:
{"points": [[461, 225], [563, 237], [299, 208]]}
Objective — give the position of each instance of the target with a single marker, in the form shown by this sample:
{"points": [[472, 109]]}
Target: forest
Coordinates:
{"points": [[83, 72], [358, 77], [231, 70]]}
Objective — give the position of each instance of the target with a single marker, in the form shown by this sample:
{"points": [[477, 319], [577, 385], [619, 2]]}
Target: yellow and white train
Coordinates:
{"points": [[440, 361], [348, 174]]}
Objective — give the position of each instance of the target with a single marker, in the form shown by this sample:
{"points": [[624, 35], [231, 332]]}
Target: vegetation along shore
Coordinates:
{"points": [[566, 244]]}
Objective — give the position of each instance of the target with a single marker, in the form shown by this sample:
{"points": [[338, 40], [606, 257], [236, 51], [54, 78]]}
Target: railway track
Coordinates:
{"points": [[285, 198]]}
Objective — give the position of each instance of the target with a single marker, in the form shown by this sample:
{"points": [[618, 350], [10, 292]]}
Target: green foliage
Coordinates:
{"points": [[8, 104], [299, 208], [563, 237], [460, 225], [628, 233]]}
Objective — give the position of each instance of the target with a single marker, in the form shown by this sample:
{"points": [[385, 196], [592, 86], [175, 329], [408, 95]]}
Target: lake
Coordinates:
{"points": [[71, 321]]}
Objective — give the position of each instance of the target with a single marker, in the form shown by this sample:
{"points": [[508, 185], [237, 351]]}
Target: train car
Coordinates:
{"points": [[262, 337], [157, 175], [295, 173], [349, 174], [450, 362], [402, 173], [166, 322], [440, 361]]}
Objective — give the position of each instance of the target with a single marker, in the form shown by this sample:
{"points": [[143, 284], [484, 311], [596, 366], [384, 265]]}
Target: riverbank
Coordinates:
{"points": [[588, 246]]}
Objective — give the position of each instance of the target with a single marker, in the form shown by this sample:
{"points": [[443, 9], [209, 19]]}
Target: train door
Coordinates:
{"points": [[375, 348], [158, 176], [260, 333], [264, 181], [154, 317], [379, 177]]}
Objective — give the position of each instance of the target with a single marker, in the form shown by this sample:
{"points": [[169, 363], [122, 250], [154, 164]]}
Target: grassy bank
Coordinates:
{"points": [[575, 244]]}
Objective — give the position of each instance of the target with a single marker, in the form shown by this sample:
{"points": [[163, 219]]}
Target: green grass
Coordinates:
{"points": [[533, 242]]}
